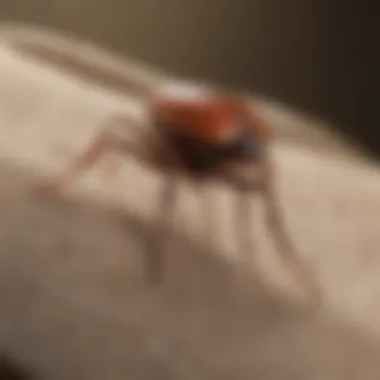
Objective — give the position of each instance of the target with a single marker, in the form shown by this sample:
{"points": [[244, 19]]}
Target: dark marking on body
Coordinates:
{"points": [[202, 157]]}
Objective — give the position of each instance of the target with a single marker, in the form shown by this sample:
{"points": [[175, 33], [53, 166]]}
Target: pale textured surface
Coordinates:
{"points": [[72, 299]]}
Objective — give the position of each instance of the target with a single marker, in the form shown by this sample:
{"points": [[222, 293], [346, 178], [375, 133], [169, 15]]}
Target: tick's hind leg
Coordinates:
{"points": [[243, 182], [284, 243]]}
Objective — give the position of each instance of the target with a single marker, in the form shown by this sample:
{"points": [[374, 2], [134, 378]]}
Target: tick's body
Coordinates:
{"points": [[206, 135], [201, 135]]}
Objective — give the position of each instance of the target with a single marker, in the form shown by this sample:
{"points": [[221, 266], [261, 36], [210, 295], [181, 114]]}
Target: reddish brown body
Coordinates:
{"points": [[210, 138], [208, 120]]}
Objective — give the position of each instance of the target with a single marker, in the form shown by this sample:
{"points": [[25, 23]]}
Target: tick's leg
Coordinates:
{"points": [[125, 145], [104, 143], [95, 151], [243, 181], [244, 225], [166, 213], [112, 166], [209, 215], [209, 219], [285, 246]]}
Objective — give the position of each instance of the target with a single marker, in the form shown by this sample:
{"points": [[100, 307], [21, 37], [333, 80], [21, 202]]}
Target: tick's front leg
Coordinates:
{"points": [[105, 142], [95, 151]]}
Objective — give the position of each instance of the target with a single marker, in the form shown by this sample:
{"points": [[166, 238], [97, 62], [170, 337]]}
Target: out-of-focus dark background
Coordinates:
{"points": [[318, 56]]}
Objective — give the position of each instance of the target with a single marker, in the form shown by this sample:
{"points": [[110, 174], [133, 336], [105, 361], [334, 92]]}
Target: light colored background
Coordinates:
{"points": [[72, 300]]}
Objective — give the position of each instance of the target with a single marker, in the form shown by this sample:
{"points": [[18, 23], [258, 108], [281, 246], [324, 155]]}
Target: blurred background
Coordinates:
{"points": [[316, 56]]}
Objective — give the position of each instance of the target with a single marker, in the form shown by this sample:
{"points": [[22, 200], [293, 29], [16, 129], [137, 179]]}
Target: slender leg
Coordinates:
{"points": [[244, 225], [242, 180], [96, 150], [112, 167], [283, 241], [166, 213], [209, 219], [105, 142]]}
